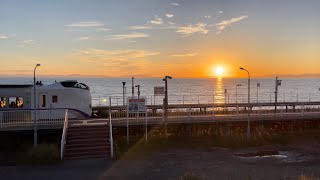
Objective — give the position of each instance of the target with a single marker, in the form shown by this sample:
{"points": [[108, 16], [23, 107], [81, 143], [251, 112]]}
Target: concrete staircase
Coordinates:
{"points": [[87, 141]]}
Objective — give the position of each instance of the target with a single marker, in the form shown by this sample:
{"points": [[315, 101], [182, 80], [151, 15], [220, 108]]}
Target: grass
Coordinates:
{"points": [[138, 146], [190, 175], [43, 154], [304, 177]]}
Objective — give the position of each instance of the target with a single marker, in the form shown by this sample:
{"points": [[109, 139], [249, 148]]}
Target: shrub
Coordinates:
{"points": [[189, 175], [304, 177], [42, 154]]}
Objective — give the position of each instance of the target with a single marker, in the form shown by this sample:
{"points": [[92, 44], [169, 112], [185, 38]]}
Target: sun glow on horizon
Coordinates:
{"points": [[219, 71]]}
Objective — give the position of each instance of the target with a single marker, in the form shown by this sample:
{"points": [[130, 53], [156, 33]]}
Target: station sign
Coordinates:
{"points": [[159, 91], [136, 105]]}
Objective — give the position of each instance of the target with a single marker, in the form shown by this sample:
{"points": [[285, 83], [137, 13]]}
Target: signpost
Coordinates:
{"points": [[137, 105], [158, 91]]}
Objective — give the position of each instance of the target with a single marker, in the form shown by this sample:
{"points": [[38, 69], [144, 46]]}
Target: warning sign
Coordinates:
{"points": [[159, 91], [136, 105]]}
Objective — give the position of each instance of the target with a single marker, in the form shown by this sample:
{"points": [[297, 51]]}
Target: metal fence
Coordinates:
{"points": [[24, 118]]}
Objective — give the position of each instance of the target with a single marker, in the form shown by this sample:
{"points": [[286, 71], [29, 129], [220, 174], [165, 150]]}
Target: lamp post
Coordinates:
{"points": [[258, 85], [123, 92], [237, 85], [248, 128], [165, 103], [138, 86], [132, 84], [278, 83], [35, 136], [225, 96]]}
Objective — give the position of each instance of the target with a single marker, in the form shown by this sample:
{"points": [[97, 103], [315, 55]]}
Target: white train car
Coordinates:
{"points": [[59, 96]]}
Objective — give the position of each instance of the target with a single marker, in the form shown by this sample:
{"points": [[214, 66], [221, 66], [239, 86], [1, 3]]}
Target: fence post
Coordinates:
{"points": [[189, 113], [302, 110], [128, 139], [146, 116], [1, 118], [237, 111], [182, 99], [110, 129]]}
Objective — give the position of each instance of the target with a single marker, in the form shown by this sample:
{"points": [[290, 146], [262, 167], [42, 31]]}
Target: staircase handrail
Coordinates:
{"points": [[64, 134]]}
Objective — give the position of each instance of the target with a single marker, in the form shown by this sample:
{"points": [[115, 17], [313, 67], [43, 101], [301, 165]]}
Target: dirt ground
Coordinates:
{"points": [[211, 163]]}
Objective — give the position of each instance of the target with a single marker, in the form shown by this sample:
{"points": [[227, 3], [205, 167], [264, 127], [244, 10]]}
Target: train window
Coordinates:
{"points": [[44, 101], [54, 99], [3, 102], [16, 102]]}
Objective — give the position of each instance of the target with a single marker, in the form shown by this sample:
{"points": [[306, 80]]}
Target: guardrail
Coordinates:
{"points": [[64, 134]]}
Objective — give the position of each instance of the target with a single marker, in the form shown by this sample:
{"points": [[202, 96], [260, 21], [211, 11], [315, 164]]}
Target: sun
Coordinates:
{"points": [[219, 71]]}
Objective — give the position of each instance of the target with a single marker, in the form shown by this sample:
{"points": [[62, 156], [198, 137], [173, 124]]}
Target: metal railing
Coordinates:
{"points": [[46, 118], [217, 98], [64, 134]]}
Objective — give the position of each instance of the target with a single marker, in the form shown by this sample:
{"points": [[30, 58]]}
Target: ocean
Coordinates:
{"points": [[196, 90]]}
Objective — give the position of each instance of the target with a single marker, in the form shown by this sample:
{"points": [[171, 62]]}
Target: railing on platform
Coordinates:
{"points": [[24, 118], [64, 134], [216, 98]]}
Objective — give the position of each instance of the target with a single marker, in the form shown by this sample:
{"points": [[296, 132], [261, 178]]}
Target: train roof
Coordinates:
{"points": [[55, 85], [16, 85]]}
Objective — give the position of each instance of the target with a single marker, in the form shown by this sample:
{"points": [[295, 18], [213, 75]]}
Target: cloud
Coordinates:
{"points": [[220, 12], [83, 38], [156, 21], [184, 55], [171, 23], [139, 27], [200, 28], [223, 24], [86, 24], [174, 4], [207, 17], [127, 36], [111, 56], [103, 29], [169, 15], [28, 41], [6, 36]]}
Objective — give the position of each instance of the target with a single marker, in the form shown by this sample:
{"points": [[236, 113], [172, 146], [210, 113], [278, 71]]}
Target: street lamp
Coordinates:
{"points": [[237, 85], [123, 92], [278, 83], [225, 96], [35, 136], [132, 84], [258, 85], [248, 128], [165, 103], [138, 86]]}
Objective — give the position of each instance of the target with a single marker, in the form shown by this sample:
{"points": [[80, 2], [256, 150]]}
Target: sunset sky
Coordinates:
{"points": [[148, 38]]}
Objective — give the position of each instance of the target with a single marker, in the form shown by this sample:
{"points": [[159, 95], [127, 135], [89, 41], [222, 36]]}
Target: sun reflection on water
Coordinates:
{"points": [[219, 91]]}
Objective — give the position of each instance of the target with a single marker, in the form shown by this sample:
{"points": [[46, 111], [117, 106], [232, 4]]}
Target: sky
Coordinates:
{"points": [[149, 38]]}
